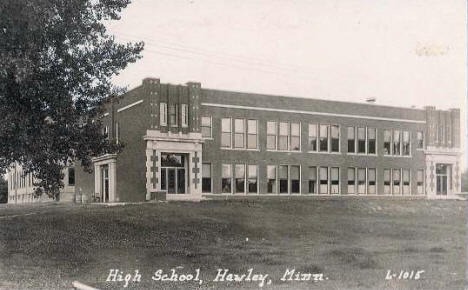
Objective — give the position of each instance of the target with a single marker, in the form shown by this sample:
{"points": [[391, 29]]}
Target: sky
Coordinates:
{"points": [[403, 53]]}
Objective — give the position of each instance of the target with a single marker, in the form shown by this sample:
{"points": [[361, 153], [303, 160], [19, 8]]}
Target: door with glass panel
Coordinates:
{"points": [[173, 173], [442, 174]]}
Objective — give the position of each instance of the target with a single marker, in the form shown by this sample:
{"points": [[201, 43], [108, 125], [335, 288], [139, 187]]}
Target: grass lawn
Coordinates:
{"points": [[353, 242]]}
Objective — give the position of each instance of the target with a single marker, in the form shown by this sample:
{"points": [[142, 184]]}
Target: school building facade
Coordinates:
{"points": [[187, 142]]}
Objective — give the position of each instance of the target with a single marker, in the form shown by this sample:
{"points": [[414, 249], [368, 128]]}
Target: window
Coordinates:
{"points": [[361, 178], [206, 127], [271, 176], [106, 132], [351, 140], [387, 182], [351, 180], [163, 114], [295, 137], [226, 133], [371, 140], [226, 178], [239, 133], [184, 115], [387, 142], [406, 181], [206, 177], [283, 179], [323, 138], [312, 179], [252, 134], [271, 135], [295, 179], [71, 176], [420, 181], [240, 178], [323, 179], [117, 132], [252, 179], [335, 180], [396, 180], [361, 134], [313, 137], [163, 179], [420, 137], [335, 138], [283, 136], [406, 143], [173, 108], [396, 142], [371, 180]]}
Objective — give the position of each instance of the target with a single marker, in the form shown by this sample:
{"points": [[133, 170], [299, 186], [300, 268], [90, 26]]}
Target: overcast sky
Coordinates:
{"points": [[401, 52]]}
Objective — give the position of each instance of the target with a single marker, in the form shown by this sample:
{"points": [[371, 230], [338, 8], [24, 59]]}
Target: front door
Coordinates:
{"points": [[105, 183], [441, 178], [173, 173]]}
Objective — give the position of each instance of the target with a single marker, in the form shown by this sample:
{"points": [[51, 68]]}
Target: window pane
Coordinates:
{"points": [[283, 129], [323, 138], [226, 140], [239, 126], [271, 172], [313, 173], [226, 172], [206, 132], [295, 172], [252, 173], [206, 170], [239, 140], [240, 170], [283, 143], [252, 126], [283, 172], [351, 174], [295, 129], [271, 128], [334, 172], [313, 130], [335, 141], [252, 141], [271, 142], [295, 143], [206, 121], [371, 174], [226, 125]]}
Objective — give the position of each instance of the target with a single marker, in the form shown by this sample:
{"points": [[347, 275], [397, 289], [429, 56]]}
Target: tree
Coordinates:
{"points": [[56, 65], [3, 190], [464, 181]]}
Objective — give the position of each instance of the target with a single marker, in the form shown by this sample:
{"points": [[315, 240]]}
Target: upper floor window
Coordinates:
{"points": [[420, 139], [387, 142], [323, 138], [371, 140], [406, 143], [271, 135], [173, 108], [226, 132], [313, 137], [252, 134], [361, 132], [351, 140], [283, 136], [239, 133], [163, 114], [206, 127], [335, 138], [396, 142], [295, 137], [184, 115]]}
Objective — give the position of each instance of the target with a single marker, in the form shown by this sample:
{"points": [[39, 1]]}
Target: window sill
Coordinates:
{"points": [[323, 152], [240, 149], [284, 151], [399, 156], [362, 154], [208, 138]]}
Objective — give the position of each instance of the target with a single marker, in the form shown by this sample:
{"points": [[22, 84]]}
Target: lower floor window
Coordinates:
{"points": [[323, 179], [240, 178], [335, 180], [295, 179], [271, 176], [387, 181], [226, 178], [283, 179], [312, 179], [252, 179], [351, 180], [396, 181], [371, 180], [361, 172], [406, 181], [206, 177], [420, 181]]}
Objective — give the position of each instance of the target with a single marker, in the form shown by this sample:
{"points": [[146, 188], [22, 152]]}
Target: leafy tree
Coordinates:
{"points": [[3, 190], [56, 63]]}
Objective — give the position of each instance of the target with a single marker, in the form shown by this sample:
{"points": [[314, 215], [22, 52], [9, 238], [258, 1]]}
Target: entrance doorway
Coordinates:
{"points": [[173, 173], [443, 172], [105, 183]]}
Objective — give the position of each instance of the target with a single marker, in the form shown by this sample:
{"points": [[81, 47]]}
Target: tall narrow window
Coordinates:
{"points": [[206, 177], [351, 180], [361, 176], [420, 181], [295, 137], [71, 176], [371, 140], [312, 179], [184, 115], [252, 134], [283, 136], [239, 133], [420, 137], [163, 114], [252, 182], [226, 178], [117, 133], [323, 179], [371, 181], [173, 108], [361, 133], [406, 182], [226, 132], [240, 178], [295, 179], [313, 137], [335, 138], [206, 127], [271, 135], [387, 142], [283, 179], [387, 181], [396, 142], [396, 180], [351, 140], [334, 180], [271, 176], [406, 143], [323, 138]]}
